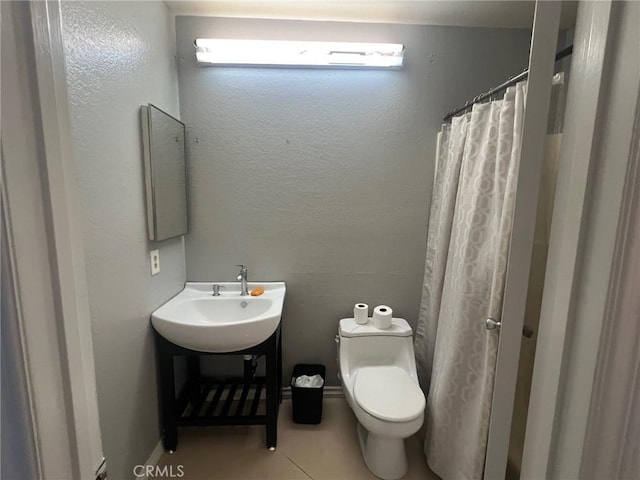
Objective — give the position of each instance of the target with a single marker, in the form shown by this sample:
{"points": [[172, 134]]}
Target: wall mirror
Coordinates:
{"points": [[165, 173]]}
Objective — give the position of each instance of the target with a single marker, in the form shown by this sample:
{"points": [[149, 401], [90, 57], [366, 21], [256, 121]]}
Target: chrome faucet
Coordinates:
{"points": [[242, 278]]}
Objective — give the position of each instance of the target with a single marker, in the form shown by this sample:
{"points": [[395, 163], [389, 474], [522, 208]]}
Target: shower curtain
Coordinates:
{"points": [[466, 260]]}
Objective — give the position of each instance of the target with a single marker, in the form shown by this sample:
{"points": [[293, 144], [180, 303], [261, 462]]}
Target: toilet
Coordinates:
{"points": [[377, 369]]}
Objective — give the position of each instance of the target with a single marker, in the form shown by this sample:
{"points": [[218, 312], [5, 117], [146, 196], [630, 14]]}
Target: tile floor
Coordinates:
{"points": [[328, 451]]}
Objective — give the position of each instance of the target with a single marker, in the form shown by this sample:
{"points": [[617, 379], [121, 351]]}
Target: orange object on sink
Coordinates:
{"points": [[256, 292]]}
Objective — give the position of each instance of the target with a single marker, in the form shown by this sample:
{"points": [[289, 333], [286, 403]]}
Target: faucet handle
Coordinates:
{"points": [[243, 268]]}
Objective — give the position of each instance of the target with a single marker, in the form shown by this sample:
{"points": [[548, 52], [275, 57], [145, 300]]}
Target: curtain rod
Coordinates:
{"points": [[565, 52]]}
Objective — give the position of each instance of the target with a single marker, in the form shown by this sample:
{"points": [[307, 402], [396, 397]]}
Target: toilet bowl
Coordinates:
{"points": [[378, 373]]}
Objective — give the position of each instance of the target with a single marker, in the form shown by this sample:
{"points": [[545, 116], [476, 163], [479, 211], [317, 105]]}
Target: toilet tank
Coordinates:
{"points": [[366, 346]]}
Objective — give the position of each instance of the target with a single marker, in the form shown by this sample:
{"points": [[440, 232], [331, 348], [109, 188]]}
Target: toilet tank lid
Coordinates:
{"points": [[349, 328]]}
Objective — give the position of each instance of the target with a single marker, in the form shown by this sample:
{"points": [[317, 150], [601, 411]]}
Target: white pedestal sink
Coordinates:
{"points": [[197, 320]]}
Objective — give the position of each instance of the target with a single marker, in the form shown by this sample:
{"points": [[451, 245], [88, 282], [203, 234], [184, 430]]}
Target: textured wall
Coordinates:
{"points": [[322, 178], [121, 55]]}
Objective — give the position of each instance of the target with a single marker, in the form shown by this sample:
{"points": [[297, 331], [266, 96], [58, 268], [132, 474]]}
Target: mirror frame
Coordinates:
{"points": [[150, 194]]}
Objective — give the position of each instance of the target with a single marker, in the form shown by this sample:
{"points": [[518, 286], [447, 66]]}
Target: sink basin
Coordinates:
{"points": [[197, 320]]}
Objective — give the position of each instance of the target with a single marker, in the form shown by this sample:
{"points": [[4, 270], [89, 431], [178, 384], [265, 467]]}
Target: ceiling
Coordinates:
{"points": [[477, 13]]}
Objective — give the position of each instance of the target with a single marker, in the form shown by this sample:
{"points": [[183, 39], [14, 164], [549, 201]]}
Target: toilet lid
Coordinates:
{"points": [[388, 393]]}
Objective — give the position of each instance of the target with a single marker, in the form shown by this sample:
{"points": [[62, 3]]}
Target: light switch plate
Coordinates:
{"points": [[155, 261]]}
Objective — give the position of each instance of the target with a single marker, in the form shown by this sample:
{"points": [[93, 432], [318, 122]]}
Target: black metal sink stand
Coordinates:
{"points": [[194, 405]]}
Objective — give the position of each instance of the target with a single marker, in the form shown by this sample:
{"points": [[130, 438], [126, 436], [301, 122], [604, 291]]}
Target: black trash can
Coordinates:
{"points": [[307, 401]]}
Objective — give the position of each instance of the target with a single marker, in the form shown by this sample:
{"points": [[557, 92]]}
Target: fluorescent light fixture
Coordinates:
{"points": [[270, 53]]}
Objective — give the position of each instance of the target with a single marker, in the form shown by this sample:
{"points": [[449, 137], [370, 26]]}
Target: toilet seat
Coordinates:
{"points": [[388, 393]]}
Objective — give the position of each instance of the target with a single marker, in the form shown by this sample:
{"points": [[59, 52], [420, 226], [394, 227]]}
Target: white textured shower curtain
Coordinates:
{"points": [[467, 250]]}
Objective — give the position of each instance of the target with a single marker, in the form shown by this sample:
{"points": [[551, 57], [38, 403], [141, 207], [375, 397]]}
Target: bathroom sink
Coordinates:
{"points": [[197, 320]]}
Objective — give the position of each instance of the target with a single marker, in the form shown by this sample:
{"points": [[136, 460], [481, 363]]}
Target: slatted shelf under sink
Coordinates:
{"points": [[222, 401]]}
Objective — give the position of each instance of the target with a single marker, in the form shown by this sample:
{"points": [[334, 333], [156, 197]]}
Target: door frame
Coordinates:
{"points": [[541, 67], [565, 243], [586, 250], [610, 445], [41, 213]]}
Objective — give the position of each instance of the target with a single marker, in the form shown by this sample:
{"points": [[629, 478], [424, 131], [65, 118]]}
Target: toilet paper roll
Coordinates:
{"points": [[382, 317], [361, 313]]}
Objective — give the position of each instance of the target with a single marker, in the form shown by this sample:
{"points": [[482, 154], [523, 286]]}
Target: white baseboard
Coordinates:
{"points": [[153, 459], [329, 392], [333, 392]]}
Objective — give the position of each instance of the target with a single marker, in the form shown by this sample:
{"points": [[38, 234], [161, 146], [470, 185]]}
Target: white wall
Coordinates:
{"points": [[119, 56], [322, 178]]}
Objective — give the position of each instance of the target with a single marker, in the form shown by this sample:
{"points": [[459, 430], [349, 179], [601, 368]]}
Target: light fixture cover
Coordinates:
{"points": [[272, 53]]}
